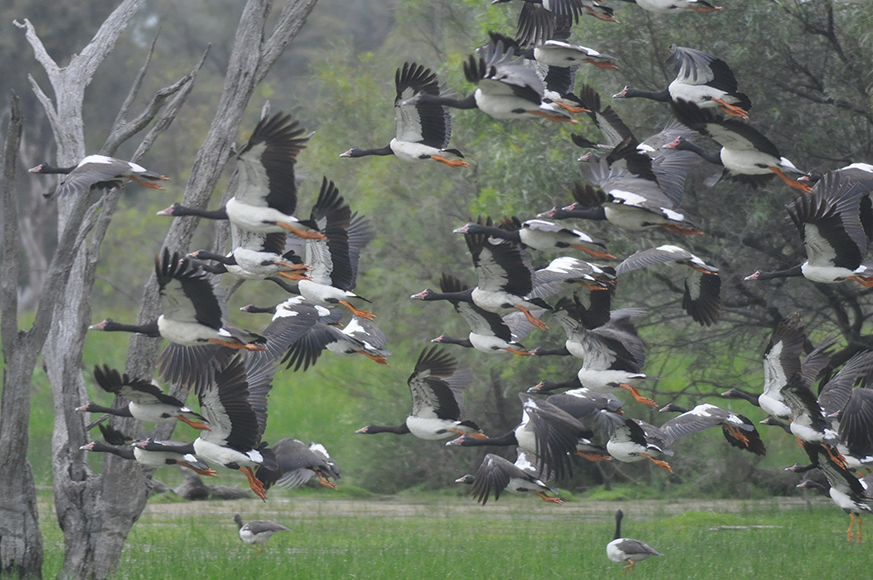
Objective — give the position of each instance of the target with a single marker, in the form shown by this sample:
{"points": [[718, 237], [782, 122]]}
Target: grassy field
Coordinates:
{"points": [[439, 538]]}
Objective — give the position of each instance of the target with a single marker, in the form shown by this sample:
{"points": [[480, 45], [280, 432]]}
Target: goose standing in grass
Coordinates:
{"points": [[702, 296], [148, 403], [298, 463], [507, 88], [258, 531], [98, 172], [436, 385], [121, 445], [833, 235], [497, 475], [746, 154], [489, 332], [548, 432], [702, 79], [235, 408], [621, 550], [421, 130]]}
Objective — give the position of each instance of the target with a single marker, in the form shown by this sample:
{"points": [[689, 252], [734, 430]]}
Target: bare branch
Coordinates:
{"points": [[39, 52], [86, 62], [11, 233], [134, 87], [291, 20]]}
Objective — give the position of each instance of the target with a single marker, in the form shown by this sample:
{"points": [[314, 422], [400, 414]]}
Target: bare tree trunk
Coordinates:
{"points": [[20, 538], [97, 512]]}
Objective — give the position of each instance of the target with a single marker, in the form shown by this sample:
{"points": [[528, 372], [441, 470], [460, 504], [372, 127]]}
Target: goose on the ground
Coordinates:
{"points": [[702, 295], [497, 474], [148, 402], [258, 531], [421, 130], [702, 79], [98, 172], [436, 385], [621, 550]]}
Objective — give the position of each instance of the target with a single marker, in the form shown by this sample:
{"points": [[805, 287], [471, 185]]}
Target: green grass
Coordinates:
{"points": [[514, 538]]}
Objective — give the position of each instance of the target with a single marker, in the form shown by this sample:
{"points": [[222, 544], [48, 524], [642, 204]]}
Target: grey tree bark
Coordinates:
{"points": [[96, 512]]}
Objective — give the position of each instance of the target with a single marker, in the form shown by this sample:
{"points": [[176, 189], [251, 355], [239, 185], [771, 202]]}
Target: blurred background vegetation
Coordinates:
{"points": [[806, 66]]}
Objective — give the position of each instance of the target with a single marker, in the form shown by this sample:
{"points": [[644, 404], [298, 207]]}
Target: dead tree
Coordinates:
{"points": [[96, 512]]}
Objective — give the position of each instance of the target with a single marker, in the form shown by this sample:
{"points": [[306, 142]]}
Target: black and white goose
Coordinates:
{"points": [[235, 409], [266, 196], [505, 279], [633, 440], [292, 320], [507, 88], [539, 19], [548, 432], [255, 256], [98, 172], [540, 235], [298, 463], [489, 332], [625, 200], [359, 336], [333, 261], [738, 430], [497, 474], [746, 154], [436, 385], [621, 550], [121, 446], [674, 6], [702, 79], [833, 235], [421, 130], [258, 531], [702, 295], [846, 489], [148, 403]]}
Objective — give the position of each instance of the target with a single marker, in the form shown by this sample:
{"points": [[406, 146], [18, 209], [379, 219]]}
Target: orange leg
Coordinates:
{"points": [[147, 184], [658, 462], [357, 312], [450, 162], [476, 435], [638, 397], [208, 472], [291, 266], [294, 276], [237, 345], [255, 483], [323, 480], [530, 318], [630, 565], [851, 524], [791, 182], [194, 424], [602, 64], [571, 109], [379, 359], [306, 235], [518, 352], [594, 253], [555, 118], [738, 435], [731, 110], [599, 16], [859, 528], [866, 282], [705, 8], [836, 456], [549, 498]]}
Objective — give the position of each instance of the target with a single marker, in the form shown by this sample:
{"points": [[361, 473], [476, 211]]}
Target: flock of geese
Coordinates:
{"points": [[635, 185]]}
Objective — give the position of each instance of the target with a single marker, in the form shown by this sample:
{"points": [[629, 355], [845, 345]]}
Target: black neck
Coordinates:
{"points": [[148, 329], [505, 440], [252, 309], [591, 213], [445, 339], [550, 386], [618, 517], [401, 429], [633, 92], [552, 351], [123, 452], [117, 411], [179, 210], [386, 150], [789, 273], [511, 235], [711, 156], [468, 102]]}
